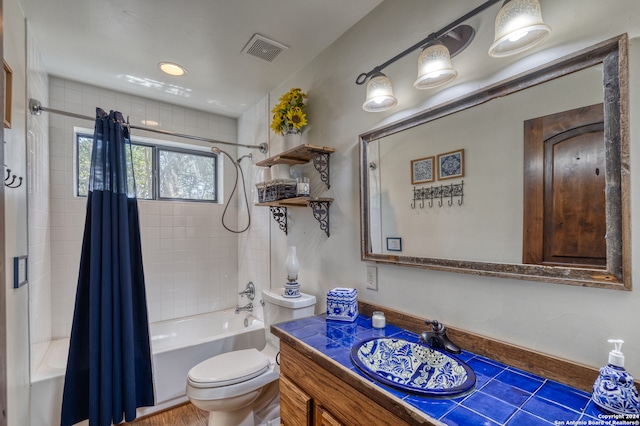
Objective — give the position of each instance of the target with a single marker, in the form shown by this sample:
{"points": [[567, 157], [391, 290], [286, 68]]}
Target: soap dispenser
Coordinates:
{"points": [[614, 391]]}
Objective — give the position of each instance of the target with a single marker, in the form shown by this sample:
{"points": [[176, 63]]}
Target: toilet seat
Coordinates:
{"points": [[228, 369]]}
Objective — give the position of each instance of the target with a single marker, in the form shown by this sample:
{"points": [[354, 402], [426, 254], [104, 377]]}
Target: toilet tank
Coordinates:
{"points": [[278, 308]]}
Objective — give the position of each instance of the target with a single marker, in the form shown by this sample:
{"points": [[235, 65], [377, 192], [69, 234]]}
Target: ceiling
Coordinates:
{"points": [[118, 44]]}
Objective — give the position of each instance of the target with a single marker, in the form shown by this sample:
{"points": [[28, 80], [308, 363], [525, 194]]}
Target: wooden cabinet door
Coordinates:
{"points": [[295, 404], [324, 418]]}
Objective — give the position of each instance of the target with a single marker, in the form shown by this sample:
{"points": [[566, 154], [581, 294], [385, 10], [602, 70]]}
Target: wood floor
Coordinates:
{"points": [[183, 415]]}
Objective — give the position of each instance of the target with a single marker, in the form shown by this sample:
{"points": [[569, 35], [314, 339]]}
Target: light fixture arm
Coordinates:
{"points": [[362, 78]]}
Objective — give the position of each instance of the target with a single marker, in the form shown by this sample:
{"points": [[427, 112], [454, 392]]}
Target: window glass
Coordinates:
{"points": [[186, 175], [181, 174]]}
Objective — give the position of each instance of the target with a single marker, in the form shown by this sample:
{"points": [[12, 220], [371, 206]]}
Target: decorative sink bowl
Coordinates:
{"points": [[413, 367]]}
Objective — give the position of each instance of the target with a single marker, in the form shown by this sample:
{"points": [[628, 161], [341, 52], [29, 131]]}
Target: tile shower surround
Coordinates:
{"points": [[191, 262], [503, 395]]}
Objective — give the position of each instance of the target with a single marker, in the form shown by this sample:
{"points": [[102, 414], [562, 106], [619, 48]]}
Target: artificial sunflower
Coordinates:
{"points": [[288, 114]]}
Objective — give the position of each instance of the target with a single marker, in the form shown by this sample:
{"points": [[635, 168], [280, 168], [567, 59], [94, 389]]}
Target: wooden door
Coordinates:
{"points": [[564, 194]]}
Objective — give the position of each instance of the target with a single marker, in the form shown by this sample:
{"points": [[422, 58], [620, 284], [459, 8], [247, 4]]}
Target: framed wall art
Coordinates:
{"points": [[451, 165], [8, 79], [394, 243], [422, 170]]}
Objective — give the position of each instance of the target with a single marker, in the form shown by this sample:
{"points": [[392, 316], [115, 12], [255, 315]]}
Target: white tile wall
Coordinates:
{"points": [[38, 209], [190, 260], [254, 259]]}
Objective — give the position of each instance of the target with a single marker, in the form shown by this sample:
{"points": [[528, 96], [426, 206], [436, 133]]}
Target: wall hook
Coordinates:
{"points": [[13, 180], [439, 194]]}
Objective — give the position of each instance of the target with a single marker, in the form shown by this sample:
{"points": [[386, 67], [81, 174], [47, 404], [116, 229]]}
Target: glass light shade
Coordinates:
{"points": [[434, 67], [291, 264], [519, 26], [379, 94]]}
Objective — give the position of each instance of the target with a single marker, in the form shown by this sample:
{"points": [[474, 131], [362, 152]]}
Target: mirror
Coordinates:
{"points": [[444, 189]]}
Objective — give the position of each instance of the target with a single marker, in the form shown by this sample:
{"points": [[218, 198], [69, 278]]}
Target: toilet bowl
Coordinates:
{"points": [[240, 388], [231, 386]]}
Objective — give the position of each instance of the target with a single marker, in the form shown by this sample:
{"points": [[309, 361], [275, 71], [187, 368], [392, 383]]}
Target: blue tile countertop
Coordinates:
{"points": [[503, 395]]}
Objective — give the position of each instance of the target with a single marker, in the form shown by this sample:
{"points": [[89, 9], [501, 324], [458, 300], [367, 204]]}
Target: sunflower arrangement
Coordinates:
{"points": [[289, 115]]}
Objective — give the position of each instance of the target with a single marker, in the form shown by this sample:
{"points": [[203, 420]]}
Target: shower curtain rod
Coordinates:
{"points": [[35, 107]]}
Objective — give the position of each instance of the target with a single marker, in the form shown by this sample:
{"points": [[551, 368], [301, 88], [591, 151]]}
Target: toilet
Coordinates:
{"points": [[240, 388]]}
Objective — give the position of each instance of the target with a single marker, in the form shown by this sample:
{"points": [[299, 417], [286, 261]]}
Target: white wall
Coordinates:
{"points": [[15, 205], [191, 261], [565, 321]]}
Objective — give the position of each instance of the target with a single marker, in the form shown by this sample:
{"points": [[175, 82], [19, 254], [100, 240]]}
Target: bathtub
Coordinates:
{"points": [[177, 345]]}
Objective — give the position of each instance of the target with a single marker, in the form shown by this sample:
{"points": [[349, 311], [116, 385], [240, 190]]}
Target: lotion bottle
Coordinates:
{"points": [[614, 391]]}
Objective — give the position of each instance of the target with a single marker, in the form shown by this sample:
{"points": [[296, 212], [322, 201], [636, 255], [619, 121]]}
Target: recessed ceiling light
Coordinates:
{"points": [[172, 68]]}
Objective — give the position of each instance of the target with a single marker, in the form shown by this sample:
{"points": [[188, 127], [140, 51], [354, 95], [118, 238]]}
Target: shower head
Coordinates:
{"points": [[250, 156]]}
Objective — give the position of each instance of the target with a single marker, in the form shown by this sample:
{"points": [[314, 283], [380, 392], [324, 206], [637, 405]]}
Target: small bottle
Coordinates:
{"points": [[378, 320]]}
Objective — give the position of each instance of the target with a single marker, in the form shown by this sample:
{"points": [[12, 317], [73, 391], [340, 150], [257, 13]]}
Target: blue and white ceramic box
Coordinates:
{"points": [[342, 304]]}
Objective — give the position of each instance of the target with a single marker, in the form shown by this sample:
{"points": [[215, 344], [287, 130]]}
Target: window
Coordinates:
{"points": [[161, 173], [186, 175]]}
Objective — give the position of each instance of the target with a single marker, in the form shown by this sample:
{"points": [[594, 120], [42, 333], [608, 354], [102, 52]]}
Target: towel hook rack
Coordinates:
{"points": [[12, 183]]}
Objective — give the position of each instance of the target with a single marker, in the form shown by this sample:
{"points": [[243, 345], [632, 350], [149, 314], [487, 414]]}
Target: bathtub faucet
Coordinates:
{"points": [[247, 308]]}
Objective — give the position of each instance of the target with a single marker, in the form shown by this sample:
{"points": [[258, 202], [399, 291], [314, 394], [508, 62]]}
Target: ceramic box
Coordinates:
{"points": [[342, 304]]}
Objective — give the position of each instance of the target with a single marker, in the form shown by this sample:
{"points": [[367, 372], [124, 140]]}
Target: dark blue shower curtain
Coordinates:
{"points": [[109, 368]]}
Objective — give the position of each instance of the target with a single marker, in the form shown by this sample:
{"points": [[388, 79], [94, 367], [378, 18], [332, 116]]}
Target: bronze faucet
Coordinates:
{"points": [[437, 337]]}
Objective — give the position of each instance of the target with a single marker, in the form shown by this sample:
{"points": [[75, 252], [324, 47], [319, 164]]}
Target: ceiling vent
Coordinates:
{"points": [[263, 48]]}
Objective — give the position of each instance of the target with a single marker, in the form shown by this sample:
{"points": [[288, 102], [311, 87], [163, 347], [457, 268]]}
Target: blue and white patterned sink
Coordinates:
{"points": [[413, 367]]}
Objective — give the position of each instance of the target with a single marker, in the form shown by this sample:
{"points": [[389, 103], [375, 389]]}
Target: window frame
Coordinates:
{"points": [[156, 146]]}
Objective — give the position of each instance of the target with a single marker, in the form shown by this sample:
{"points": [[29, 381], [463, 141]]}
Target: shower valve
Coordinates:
{"points": [[250, 291]]}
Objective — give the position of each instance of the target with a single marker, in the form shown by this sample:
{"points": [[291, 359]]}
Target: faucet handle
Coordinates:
{"points": [[250, 291], [436, 326]]}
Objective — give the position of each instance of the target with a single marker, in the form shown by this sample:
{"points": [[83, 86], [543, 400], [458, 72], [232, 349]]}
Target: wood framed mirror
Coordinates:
{"points": [[495, 225]]}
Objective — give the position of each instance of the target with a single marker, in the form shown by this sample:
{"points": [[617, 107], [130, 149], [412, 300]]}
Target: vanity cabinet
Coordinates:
{"points": [[311, 395]]}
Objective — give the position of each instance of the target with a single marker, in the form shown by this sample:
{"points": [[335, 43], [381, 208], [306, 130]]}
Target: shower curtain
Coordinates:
{"points": [[109, 368]]}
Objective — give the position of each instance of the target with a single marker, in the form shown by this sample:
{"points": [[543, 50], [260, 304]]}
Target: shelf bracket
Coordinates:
{"points": [[321, 164], [321, 213], [280, 216]]}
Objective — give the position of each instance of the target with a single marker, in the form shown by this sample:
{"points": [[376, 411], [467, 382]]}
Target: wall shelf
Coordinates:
{"points": [[319, 206], [302, 154]]}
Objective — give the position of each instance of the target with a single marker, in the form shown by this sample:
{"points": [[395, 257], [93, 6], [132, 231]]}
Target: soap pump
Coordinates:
{"points": [[614, 391]]}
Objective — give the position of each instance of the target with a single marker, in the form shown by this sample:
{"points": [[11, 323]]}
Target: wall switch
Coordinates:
{"points": [[372, 277]]}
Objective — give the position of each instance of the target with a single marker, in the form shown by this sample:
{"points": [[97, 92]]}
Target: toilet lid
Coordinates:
{"points": [[229, 368]]}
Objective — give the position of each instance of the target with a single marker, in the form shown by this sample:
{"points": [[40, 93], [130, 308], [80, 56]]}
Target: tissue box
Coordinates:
{"points": [[342, 304]]}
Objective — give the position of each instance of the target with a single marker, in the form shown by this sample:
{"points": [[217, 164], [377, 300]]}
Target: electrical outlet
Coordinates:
{"points": [[372, 277]]}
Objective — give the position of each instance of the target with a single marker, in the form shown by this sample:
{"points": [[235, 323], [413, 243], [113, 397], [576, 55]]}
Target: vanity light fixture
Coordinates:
{"points": [[434, 66], [172, 68], [379, 94], [521, 27]]}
